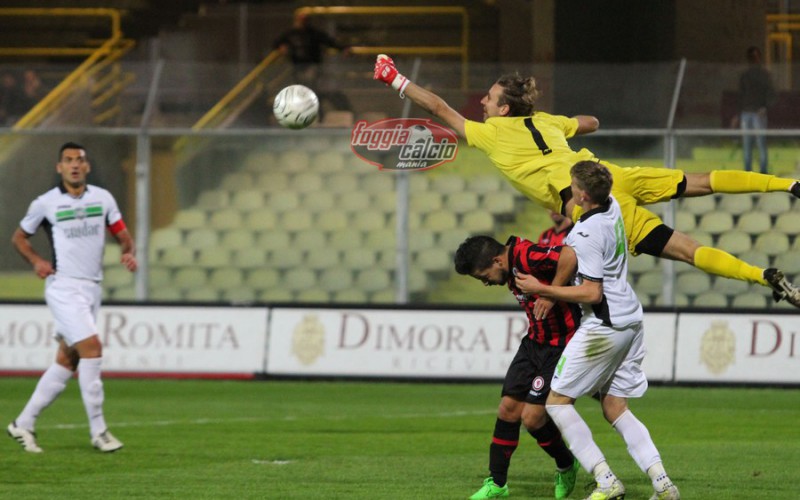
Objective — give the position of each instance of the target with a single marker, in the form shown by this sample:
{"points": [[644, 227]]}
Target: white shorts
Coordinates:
{"points": [[605, 359], [74, 304]]}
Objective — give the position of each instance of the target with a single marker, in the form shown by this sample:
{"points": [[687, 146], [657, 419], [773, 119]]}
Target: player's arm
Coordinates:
{"points": [[386, 72], [586, 124], [127, 247], [588, 292], [41, 266], [565, 270]]}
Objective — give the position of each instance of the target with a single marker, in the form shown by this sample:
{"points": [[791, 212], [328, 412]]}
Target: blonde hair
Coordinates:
{"points": [[519, 93]]}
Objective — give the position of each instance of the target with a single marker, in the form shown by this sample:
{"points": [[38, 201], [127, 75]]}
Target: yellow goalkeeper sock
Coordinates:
{"points": [[715, 261], [737, 181]]}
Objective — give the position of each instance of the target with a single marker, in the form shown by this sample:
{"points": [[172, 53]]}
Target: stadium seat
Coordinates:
{"points": [[318, 202], [240, 295], [248, 200], [685, 221], [213, 199], [735, 242], [729, 286], [112, 254], [387, 259], [368, 220], [372, 279], [227, 218], [353, 202], [331, 221], [650, 283], [679, 300], [772, 243], [213, 257], [498, 202], [249, 258], [236, 181], [424, 201], [321, 258], [226, 278], [703, 238], [117, 277], [262, 278], [272, 182], [433, 259], [283, 201], [478, 221], [386, 202], [343, 183], [351, 296], [414, 220], [693, 282], [286, 258], [461, 202], [335, 279], [716, 222], [202, 238], [349, 238], [710, 299], [485, 184], [788, 262], [260, 219], [440, 220], [452, 238], [642, 263], [123, 293], [774, 203], [421, 239], [295, 220], [160, 239], [789, 223], [260, 161], [754, 222], [749, 299], [359, 258], [177, 256], [306, 182], [447, 184], [189, 218], [202, 294], [273, 239], [417, 280], [165, 294], [386, 296], [313, 295], [699, 205], [381, 239], [158, 277], [379, 183], [755, 258], [309, 239], [294, 160], [275, 295], [189, 277], [328, 162], [237, 239], [736, 204]]}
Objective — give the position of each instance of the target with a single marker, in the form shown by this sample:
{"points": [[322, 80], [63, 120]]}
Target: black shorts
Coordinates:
{"points": [[529, 374]]}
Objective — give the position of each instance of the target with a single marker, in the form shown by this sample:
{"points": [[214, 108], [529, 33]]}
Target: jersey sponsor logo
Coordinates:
{"points": [[403, 143], [83, 231], [79, 213], [581, 233]]}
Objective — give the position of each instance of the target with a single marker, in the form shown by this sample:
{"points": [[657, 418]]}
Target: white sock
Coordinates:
{"points": [[92, 393], [579, 437], [659, 477], [637, 438], [49, 387]]}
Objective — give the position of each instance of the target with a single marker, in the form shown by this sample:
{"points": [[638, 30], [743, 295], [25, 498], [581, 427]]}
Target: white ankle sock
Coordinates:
{"points": [[92, 393], [49, 387]]}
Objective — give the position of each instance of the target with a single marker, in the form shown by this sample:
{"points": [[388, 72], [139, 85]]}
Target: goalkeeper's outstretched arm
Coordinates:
{"points": [[386, 72]]}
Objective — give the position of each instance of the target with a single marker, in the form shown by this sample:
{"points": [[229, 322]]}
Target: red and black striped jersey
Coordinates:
{"points": [[559, 325], [551, 238]]}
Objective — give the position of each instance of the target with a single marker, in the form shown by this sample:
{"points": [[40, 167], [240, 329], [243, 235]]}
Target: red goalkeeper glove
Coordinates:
{"points": [[387, 73]]}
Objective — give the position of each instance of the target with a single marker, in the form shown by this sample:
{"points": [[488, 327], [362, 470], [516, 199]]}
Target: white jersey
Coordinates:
{"points": [[76, 228], [598, 239]]}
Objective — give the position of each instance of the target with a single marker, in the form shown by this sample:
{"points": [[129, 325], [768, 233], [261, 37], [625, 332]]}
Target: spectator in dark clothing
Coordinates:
{"points": [[756, 94], [305, 46]]}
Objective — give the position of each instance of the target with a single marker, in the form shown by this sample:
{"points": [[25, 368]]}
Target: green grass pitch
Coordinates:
{"points": [[358, 440]]}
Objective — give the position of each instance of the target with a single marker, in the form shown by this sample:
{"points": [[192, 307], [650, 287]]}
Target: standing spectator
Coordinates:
{"points": [[551, 325], [756, 94], [11, 99], [32, 89], [555, 234], [75, 215], [605, 355]]}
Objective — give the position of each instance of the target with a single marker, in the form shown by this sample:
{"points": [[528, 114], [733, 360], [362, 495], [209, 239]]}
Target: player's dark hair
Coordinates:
{"points": [[476, 253], [519, 93], [69, 145], [594, 178]]}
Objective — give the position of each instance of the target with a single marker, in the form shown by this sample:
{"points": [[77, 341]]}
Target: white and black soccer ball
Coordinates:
{"points": [[419, 133], [296, 107]]}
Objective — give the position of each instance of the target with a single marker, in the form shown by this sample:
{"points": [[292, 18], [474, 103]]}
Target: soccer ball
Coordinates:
{"points": [[296, 107]]}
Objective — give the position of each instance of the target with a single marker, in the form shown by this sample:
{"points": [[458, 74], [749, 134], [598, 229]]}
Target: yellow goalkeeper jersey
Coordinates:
{"points": [[531, 151]]}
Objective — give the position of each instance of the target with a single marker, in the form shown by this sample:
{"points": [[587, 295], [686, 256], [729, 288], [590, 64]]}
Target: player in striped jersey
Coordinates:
{"points": [[554, 235], [551, 325], [607, 351], [75, 216], [530, 149]]}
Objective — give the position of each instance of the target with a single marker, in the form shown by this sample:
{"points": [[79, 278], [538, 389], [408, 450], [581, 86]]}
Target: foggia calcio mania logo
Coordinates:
{"points": [[403, 143]]}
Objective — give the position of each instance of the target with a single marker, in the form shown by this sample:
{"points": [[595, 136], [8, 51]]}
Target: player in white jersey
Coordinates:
{"points": [[75, 215], [606, 353]]}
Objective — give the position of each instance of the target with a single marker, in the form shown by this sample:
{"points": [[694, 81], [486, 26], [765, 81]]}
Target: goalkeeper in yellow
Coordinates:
{"points": [[530, 149]]}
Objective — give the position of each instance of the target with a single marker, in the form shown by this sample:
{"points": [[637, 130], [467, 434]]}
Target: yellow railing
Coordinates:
{"points": [[97, 59], [779, 37]]}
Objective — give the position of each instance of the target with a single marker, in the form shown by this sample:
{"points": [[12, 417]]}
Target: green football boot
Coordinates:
{"points": [[565, 481], [490, 490]]}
